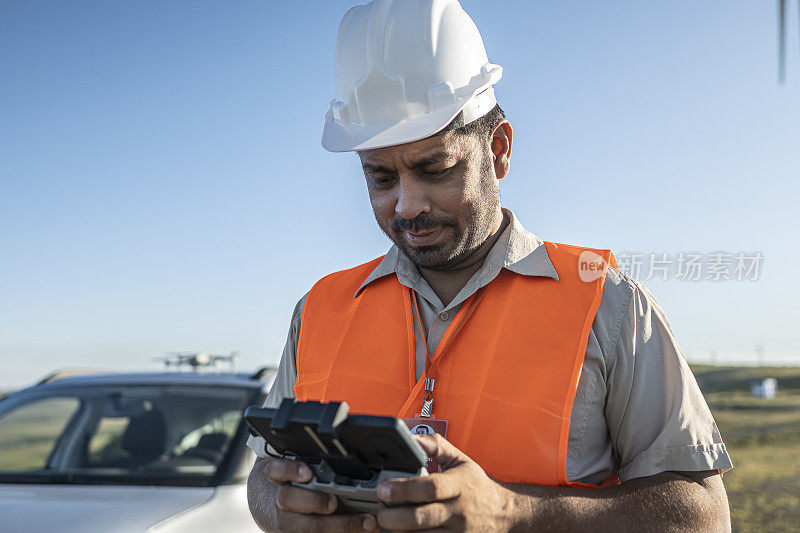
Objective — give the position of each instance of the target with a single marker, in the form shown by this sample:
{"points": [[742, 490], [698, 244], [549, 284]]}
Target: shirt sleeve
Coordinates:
{"points": [[283, 386], [657, 417]]}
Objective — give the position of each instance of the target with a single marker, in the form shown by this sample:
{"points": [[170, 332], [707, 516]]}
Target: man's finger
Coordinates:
{"points": [[441, 450], [299, 500], [303, 523], [426, 517], [423, 489], [284, 470]]}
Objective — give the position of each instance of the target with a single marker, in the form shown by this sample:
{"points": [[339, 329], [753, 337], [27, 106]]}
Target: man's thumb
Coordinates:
{"points": [[441, 451]]}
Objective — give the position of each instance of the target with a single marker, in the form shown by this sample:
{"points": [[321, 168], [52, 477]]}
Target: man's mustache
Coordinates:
{"points": [[420, 223]]}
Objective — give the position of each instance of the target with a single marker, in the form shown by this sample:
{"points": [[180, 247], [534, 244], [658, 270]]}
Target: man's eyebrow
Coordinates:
{"points": [[372, 168], [430, 160]]}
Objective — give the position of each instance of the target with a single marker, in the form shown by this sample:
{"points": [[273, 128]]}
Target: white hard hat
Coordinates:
{"points": [[403, 70]]}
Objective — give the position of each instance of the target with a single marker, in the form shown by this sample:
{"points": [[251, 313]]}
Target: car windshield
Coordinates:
{"points": [[126, 434]]}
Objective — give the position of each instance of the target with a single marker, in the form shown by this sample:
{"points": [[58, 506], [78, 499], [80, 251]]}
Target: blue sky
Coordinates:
{"points": [[162, 184]]}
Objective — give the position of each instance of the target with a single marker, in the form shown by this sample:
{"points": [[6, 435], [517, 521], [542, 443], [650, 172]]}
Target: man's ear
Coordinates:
{"points": [[502, 137]]}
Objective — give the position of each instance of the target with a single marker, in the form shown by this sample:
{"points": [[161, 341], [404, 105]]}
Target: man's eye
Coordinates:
{"points": [[437, 173], [381, 181]]}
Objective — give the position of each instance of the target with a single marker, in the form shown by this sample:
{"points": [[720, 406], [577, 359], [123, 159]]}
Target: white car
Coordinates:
{"points": [[151, 452]]}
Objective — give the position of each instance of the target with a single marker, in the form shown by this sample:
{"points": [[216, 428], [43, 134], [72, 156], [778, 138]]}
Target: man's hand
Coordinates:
{"points": [[461, 498], [464, 498], [298, 509]]}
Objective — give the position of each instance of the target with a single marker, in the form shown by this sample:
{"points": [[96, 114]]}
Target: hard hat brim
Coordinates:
{"points": [[337, 137]]}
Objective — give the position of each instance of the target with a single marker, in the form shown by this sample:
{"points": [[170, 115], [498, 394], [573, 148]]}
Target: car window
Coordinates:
{"points": [[105, 445], [185, 430], [226, 423], [29, 433], [134, 434]]}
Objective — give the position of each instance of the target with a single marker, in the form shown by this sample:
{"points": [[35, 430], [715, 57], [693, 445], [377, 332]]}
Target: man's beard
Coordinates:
{"points": [[464, 240], [435, 257]]}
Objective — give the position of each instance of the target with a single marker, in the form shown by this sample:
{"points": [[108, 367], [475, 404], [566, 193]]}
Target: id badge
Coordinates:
{"points": [[426, 426]]}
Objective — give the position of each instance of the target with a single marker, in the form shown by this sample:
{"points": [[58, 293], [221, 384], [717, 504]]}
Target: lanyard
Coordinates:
{"points": [[432, 366]]}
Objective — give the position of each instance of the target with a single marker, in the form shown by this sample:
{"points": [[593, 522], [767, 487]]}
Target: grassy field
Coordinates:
{"points": [[763, 439]]}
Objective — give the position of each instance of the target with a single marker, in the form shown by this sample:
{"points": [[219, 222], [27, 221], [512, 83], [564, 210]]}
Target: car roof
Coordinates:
{"points": [[229, 379]]}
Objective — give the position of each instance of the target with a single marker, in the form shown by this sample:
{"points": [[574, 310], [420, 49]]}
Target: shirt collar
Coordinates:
{"points": [[517, 250]]}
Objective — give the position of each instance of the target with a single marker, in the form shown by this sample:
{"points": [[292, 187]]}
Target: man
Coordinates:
{"points": [[570, 406]]}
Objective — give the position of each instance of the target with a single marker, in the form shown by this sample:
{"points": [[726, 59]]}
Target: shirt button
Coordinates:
{"points": [[443, 316]]}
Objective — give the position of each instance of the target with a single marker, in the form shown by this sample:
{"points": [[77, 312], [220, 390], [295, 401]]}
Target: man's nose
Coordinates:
{"points": [[411, 199]]}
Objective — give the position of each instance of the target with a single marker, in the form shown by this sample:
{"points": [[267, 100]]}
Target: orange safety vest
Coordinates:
{"points": [[506, 382]]}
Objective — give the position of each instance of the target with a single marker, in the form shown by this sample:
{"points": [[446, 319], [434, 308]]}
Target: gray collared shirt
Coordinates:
{"points": [[637, 408]]}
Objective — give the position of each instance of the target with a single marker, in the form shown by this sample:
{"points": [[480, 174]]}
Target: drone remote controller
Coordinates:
{"points": [[350, 455]]}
